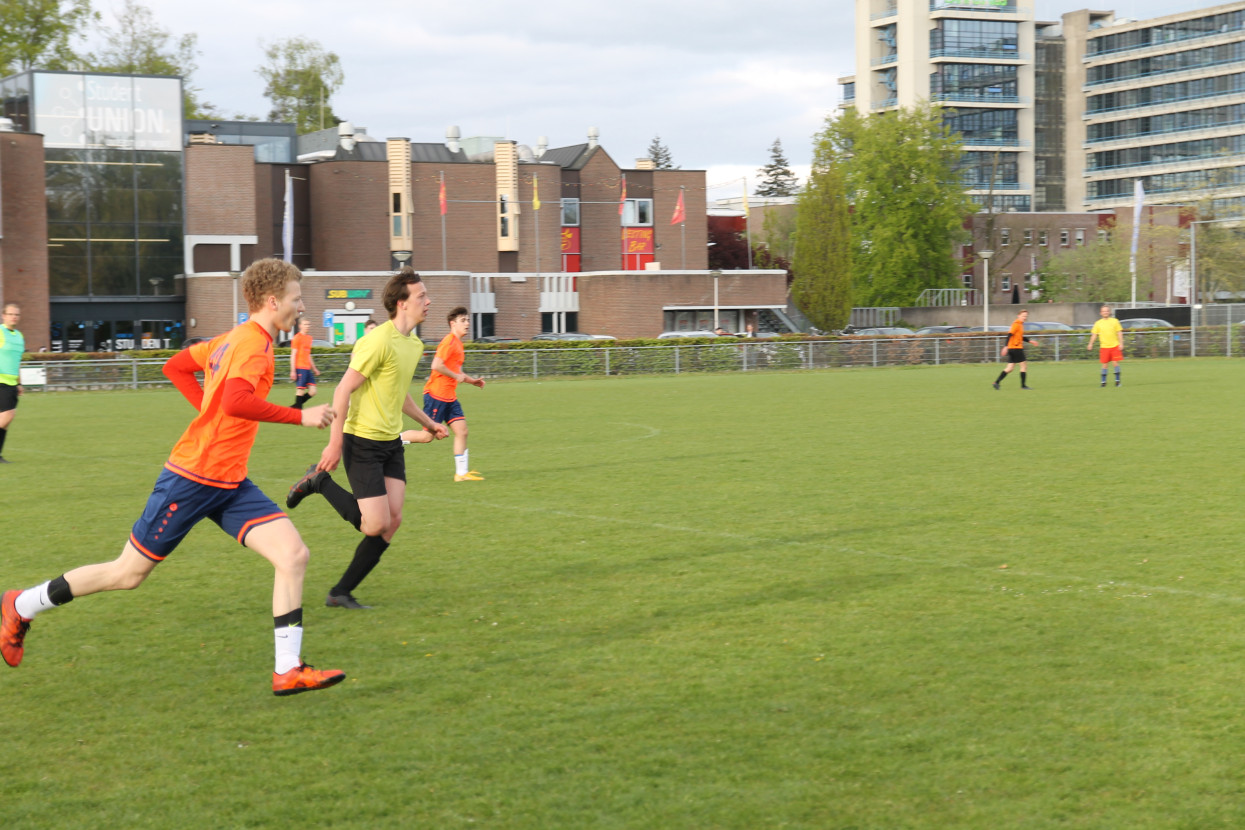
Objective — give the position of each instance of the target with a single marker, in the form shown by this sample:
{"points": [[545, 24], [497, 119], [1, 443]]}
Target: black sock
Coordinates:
{"points": [[3, 432], [58, 591], [293, 619], [343, 501], [300, 400], [1023, 382], [1001, 376], [366, 555]]}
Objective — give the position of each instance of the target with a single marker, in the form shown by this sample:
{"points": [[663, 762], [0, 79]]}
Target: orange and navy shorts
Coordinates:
{"points": [[443, 412], [1107, 355], [304, 378], [177, 504]]}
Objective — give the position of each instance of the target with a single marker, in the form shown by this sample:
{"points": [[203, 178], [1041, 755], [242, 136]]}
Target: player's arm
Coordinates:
{"points": [[332, 454], [415, 413], [439, 365], [180, 369], [240, 401], [1093, 335], [312, 360]]}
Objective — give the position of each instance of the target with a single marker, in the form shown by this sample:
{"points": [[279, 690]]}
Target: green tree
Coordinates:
{"points": [[660, 154], [36, 34], [778, 179], [1093, 273], [138, 45], [300, 78], [908, 205], [822, 262]]}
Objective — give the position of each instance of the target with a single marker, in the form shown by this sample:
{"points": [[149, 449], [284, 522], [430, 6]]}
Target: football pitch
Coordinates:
{"points": [[890, 598]]}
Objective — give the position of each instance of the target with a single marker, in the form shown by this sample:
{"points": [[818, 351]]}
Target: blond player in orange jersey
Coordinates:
{"points": [[303, 369], [206, 477], [441, 394]]}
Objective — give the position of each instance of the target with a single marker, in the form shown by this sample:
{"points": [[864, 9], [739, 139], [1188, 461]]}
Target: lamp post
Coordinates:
{"points": [[985, 259]]}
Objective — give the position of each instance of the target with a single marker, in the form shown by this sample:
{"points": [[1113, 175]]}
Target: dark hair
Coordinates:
{"points": [[457, 311], [398, 289]]}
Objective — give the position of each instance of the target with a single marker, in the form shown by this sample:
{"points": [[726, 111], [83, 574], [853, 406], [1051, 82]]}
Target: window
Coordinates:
{"points": [[1028, 236], [1080, 236], [638, 212], [1063, 237], [1042, 238], [1103, 236], [1005, 237], [570, 213], [1006, 283], [968, 280]]}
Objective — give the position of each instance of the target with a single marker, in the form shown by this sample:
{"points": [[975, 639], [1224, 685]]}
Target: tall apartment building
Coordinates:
{"points": [[1067, 115], [974, 57]]}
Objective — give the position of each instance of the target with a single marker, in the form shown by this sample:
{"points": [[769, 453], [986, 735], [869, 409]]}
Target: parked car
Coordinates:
{"points": [[1048, 326], [941, 329], [992, 328], [675, 335], [321, 344], [1145, 323], [563, 335], [493, 338], [883, 331]]}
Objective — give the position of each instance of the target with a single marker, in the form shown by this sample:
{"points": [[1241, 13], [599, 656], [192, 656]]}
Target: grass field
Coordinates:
{"points": [[854, 599]]}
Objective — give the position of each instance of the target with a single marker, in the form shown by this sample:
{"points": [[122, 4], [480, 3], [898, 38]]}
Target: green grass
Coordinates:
{"points": [[717, 601]]}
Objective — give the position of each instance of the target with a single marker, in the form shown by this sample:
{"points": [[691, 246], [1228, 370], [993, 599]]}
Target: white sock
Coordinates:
{"points": [[460, 464], [289, 646], [33, 600]]}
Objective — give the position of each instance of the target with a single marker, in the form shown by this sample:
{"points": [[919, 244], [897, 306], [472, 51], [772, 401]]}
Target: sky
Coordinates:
{"points": [[717, 81]]}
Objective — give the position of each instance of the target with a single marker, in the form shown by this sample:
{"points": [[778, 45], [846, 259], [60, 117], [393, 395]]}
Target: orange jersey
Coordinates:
{"points": [[452, 355], [1016, 335], [215, 448], [300, 351]]}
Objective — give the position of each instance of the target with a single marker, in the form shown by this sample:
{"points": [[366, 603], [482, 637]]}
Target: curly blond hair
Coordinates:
{"points": [[267, 278]]}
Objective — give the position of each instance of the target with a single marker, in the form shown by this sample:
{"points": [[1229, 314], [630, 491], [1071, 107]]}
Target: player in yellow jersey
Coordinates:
{"points": [[206, 478], [441, 393], [1110, 335], [1015, 351], [373, 395]]}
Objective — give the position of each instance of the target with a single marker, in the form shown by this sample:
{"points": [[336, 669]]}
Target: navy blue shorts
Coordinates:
{"points": [[443, 412], [177, 504], [304, 378]]}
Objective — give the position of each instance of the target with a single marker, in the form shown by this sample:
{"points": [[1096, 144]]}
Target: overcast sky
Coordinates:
{"points": [[718, 81]]}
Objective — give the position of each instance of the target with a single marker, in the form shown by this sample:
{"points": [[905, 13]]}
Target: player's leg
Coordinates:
{"points": [[1024, 374], [369, 465], [1007, 370], [457, 422], [18, 608], [278, 541], [1106, 362]]}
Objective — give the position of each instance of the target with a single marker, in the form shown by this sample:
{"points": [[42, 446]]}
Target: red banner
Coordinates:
{"points": [[570, 241], [638, 241]]}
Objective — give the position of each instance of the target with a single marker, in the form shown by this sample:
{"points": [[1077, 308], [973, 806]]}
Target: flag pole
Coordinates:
{"points": [[747, 223], [683, 231], [444, 261], [536, 210]]}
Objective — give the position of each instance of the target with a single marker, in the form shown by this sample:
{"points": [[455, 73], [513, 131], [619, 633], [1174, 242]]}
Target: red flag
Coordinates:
{"points": [[680, 215], [622, 199], [443, 197]]}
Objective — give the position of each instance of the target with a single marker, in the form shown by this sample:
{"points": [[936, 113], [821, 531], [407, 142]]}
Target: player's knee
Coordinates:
{"points": [[372, 526]]}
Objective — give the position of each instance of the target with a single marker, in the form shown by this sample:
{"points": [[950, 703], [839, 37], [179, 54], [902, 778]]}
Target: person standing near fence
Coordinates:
{"points": [[1110, 336], [303, 370], [12, 347], [1015, 351]]}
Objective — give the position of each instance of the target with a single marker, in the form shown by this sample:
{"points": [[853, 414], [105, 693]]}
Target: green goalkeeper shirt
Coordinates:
{"points": [[12, 346]]}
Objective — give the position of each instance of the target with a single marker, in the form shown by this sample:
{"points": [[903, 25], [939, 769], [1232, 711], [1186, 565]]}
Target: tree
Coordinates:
{"points": [[138, 45], [908, 205], [778, 179], [1096, 272], [728, 251], [300, 78], [660, 154], [822, 288], [37, 33]]}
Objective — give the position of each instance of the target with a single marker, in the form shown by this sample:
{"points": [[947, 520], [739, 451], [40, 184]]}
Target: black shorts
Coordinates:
{"points": [[369, 463], [8, 397], [1015, 355]]}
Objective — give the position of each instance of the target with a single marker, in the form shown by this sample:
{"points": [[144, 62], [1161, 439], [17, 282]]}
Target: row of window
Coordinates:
{"points": [[1168, 123], [1167, 33], [975, 126], [636, 213], [974, 79], [1042, 236], [982, 169], [1172, 62], [1206, 148], [1167, 93], [975, 35], [1003, 202], [1169, 182]]}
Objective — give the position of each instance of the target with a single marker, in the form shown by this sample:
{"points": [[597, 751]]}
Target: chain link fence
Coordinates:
{"points": [[731, 356]]}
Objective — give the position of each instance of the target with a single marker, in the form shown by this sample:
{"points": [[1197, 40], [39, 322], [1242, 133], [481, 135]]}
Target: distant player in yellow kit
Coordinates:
{"points": [[441, 394], [1109, 334]]}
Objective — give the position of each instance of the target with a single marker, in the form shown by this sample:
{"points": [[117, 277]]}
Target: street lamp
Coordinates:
{"points": [[985, 259]]}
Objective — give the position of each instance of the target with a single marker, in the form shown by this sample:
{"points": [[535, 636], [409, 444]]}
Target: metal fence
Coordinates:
{"points": [[731, 356]]}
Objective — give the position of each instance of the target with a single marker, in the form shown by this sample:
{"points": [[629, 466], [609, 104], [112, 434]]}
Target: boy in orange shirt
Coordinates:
{"points": [[303, 369], [441, 394], [206, 477]]}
